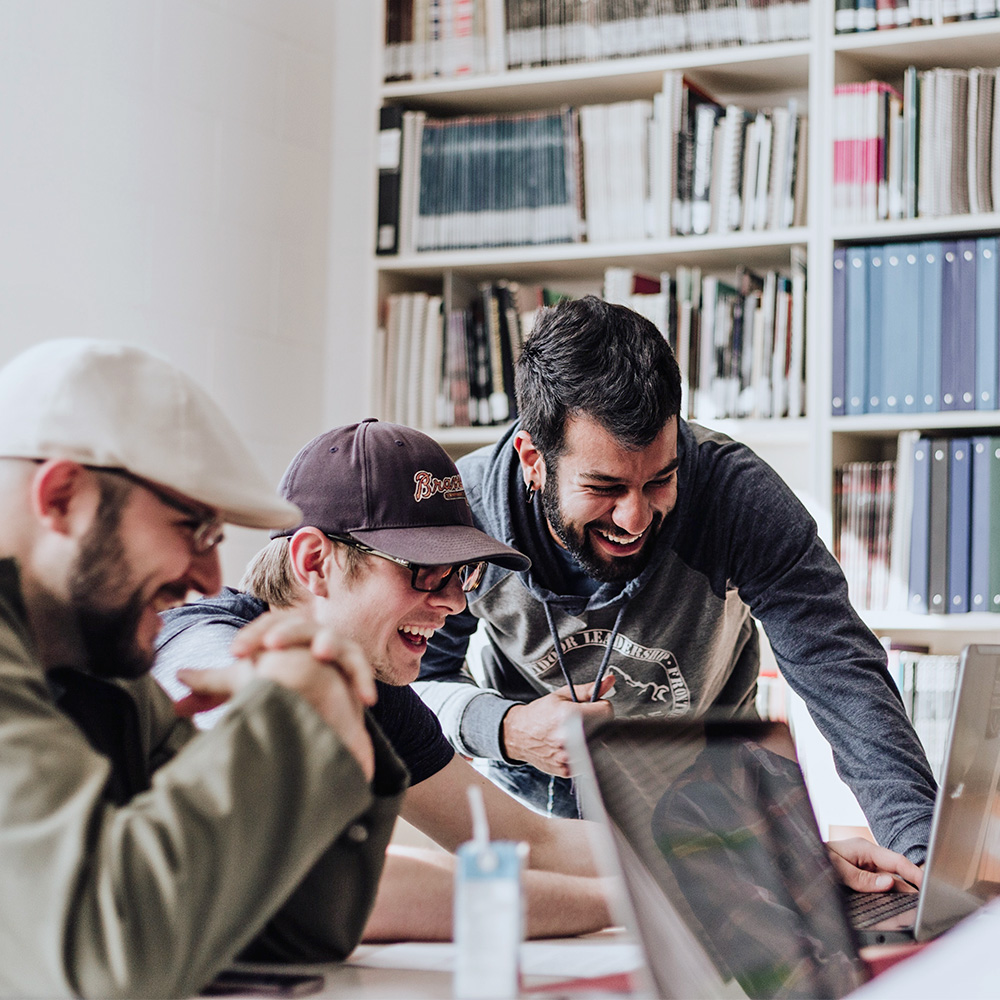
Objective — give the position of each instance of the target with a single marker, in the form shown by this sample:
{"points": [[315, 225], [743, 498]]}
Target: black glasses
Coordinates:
{"points": [[425, 579], [206, 529]]}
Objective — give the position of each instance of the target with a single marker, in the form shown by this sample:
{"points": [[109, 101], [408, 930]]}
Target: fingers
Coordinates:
{"points": [[274, 630], [584, 692], [191, 704], [289, 629], [857, 878], [871, 868], [347, 656], [216, 685]]}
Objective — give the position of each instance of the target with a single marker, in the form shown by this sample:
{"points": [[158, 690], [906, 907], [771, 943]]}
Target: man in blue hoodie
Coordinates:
{"points": [[652, 542]]}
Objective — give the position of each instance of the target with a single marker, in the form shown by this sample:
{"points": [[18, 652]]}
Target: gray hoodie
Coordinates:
{"points": [[679, 637]]}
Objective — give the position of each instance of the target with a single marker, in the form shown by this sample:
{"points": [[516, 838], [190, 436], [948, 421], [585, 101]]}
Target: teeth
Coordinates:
{"points": [[424, 633], [620, 539]]}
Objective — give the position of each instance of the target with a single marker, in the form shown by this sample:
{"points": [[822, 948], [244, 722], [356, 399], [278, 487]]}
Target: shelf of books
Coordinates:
{"points": [[914, 408], [659, 161], [803, 196]]}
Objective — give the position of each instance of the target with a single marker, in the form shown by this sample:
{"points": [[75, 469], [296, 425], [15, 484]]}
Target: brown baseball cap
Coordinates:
{"points": [[393, 488]]}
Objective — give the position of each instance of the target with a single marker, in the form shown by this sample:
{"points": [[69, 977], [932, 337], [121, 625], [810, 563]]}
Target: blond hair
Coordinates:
{"points": [[270, 578]]}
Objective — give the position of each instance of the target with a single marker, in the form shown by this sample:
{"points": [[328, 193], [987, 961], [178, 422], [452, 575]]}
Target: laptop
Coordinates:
{"points": [[726, 883], [689, 807], [962, 871]]}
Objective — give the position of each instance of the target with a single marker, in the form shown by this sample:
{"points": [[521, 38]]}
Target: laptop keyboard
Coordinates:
{"points": [[865, 909]]}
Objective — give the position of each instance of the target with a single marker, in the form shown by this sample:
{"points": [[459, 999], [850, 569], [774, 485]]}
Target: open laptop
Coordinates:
{"points": [[729, 887], [963, 857]]}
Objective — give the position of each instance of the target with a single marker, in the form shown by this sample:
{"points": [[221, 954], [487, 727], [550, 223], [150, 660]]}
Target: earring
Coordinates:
{"points": [[529, 493]]}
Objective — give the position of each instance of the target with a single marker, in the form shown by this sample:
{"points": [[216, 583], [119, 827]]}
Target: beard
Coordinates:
{"points": [[576, 538], [108, 630]]}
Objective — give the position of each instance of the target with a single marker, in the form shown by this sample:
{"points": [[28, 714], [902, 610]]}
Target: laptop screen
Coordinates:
{"points": [[716, 839]]}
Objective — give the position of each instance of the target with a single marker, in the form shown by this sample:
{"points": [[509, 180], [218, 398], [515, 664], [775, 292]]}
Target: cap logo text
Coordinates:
{"points": [[427, 486]]}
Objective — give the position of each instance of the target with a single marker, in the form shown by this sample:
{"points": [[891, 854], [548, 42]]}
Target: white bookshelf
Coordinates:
{"points": [[806, 450]]}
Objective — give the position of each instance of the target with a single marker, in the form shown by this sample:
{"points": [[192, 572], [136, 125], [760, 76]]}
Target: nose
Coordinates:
{"points": [[451, 597], [205, 573], [632, 513]]}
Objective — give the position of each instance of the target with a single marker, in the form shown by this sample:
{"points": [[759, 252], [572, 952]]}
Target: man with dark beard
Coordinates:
{"points": [[653, 543], [138, 857]]}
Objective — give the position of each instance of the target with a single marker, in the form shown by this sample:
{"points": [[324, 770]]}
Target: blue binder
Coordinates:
{"points": [[920, 526], [951, 326], [876, 272], [929, 339], [965, 375], [979, 524], [987, 318], [906, 309], [937, 529], [900, 317], [857, 330], [839, 345], [959, 511]]}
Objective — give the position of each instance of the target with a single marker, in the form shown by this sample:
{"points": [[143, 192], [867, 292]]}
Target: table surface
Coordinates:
{"points": [[960, 963]]}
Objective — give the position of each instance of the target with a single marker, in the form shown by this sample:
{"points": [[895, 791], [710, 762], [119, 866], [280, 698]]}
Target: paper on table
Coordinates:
{"points": [[578, 958]]}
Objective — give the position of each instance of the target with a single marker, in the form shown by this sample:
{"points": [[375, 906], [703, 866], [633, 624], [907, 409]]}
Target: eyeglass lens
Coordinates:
{"points": [[433, 578]]}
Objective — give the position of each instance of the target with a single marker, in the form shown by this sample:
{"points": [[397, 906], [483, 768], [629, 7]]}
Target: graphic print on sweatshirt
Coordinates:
{"points": [[649, 679]]}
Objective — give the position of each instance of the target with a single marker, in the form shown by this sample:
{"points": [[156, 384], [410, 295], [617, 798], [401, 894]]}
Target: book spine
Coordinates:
{"points": [[938, 528], [919, 578], [959, 507], [390, 158]]}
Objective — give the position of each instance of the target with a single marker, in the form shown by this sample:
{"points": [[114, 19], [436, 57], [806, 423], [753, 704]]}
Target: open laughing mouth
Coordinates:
{"points": [[416, 636], [616, 543]]}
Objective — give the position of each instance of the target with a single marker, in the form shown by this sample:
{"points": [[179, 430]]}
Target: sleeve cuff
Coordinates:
{"points": [[481, 724]]}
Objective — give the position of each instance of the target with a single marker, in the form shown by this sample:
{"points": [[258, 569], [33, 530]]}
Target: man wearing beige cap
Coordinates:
{"points": [[384, 552], [137, 856]]}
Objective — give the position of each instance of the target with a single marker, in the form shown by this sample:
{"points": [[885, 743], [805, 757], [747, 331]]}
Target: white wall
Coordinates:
{"points": [[165, 175]]}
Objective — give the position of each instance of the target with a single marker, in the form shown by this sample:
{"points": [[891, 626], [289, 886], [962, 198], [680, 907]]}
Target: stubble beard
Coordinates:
{"points": [[109, 632], [616, 569]]}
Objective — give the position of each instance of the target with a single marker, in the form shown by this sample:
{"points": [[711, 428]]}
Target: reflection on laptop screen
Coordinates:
{"points": [[716, 816]]}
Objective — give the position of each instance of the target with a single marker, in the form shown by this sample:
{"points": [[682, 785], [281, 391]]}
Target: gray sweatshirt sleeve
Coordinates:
{"points": [[470, 716], [795, 587]]}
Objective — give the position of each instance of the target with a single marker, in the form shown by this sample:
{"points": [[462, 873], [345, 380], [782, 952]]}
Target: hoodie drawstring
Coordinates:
{"points": [[602, 669]]}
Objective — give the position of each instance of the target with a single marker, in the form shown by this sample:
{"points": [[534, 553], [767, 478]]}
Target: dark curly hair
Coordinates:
{"points": [[587, 356]]}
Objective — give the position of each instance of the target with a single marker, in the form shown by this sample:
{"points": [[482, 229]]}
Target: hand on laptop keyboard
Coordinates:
{"points": [[867, 867]]}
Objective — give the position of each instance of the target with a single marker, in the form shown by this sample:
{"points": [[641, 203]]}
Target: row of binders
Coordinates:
{"points": [[923, 533], [449, 38], [879, 15], [933, 150], [679, 164], [916, 326]]}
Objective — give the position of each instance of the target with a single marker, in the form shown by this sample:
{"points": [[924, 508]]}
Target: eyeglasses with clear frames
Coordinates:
{"points": [[206, 530], [425, 579]]}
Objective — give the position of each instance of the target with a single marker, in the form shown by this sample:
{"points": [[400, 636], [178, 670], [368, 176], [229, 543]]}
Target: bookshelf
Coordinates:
{"points": [[757, 76], [885, 55], [805, 450]]}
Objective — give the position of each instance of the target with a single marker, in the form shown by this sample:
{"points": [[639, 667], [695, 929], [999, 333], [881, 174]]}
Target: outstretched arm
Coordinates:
{"points": [[415, 896]]}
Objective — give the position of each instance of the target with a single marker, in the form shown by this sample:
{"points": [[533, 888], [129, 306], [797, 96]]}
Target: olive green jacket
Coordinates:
{"points": [[260, 836]]}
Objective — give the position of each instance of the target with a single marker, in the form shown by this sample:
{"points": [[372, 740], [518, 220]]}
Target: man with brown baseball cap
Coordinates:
{"points": [[384, 551], [138, 856]]}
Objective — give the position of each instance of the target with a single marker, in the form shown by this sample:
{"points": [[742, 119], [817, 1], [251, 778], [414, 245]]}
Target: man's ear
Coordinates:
{"points": [[532, 463], [61, 492], [310, 553]]}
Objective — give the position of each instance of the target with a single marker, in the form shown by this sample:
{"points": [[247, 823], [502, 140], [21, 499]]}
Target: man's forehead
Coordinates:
{"points": [[594, 451]]}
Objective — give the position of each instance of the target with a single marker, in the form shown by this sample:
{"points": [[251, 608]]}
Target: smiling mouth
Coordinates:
{"points": [[416, 635], [619, 539], [618, 543]]}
